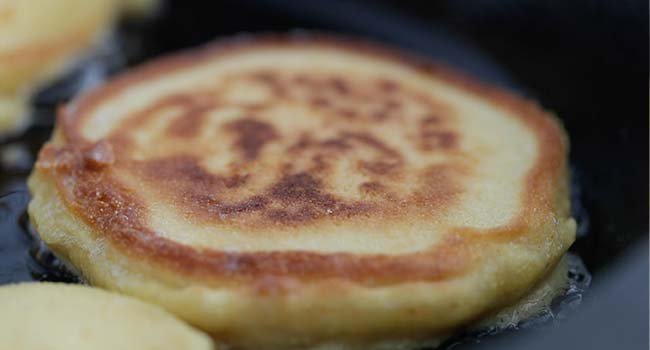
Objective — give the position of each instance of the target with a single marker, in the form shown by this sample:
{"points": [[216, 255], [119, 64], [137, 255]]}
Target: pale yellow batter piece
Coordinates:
{"points": [[39, 39], [53, 316]]}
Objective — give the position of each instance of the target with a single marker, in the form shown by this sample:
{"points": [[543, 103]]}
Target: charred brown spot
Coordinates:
{"points": [[139, 118], [343, 142], [302, 79], [252, 204], [387, 86], [180, 169], [392, 105], [304, 199], [340, 86], [370, 140], [189, 123], [321, 102], [186, 171], [437, 186], [320, 164], [286, 216], [433, 134], [301, 187], [266, 77], [380, 115], [431, 140], [372, 188], [430, 120], [235, 180], [379, 167], [337, 143], [252, 135], [304, 141], [199, 189], [256, 107], [272, 81], [347, 113]]}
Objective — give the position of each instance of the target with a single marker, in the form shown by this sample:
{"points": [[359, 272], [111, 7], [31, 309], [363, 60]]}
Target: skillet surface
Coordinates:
{"points": [[617, 210]]}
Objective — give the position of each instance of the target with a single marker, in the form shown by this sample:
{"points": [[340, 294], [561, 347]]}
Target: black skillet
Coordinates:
{"points": [[609, 155]]}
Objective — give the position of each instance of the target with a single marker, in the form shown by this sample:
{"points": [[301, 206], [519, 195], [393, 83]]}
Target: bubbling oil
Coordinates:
{"points": [[545, 313]]}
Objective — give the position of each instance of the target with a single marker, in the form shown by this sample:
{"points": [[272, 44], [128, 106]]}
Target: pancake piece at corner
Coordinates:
{"points": [[297, 192], [40, 39], [57, 316]]}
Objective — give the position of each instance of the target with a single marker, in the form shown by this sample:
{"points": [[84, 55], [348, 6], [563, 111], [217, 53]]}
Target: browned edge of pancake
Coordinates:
{"points": [[117, 214]]}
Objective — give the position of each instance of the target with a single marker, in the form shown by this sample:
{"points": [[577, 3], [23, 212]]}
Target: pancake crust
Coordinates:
{"points": [[292, 192], [71, 317]]}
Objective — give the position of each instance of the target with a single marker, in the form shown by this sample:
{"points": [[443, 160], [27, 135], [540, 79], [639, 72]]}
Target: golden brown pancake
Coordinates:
{"points": [[40, 39], [56, 316], [307, 192]]}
